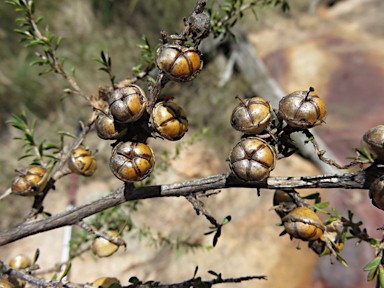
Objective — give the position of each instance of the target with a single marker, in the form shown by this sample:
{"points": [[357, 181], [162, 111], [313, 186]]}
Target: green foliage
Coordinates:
{"points": [[363, 154], [32, 148], [223, 20], [33, 36], [217, 230], [106, 61]]}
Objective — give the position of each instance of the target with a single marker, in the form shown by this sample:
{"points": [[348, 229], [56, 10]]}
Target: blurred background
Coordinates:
{"points": [[337, 47]]}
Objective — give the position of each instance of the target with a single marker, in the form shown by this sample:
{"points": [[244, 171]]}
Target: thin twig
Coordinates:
{"points": [[92, 230]]}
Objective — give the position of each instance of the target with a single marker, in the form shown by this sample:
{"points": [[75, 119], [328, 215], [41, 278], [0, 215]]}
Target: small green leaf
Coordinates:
{"points": [[26, 156], [312, 196], [30, 138], [336, 213], [98, 60], [134, 279], [341, 260], [39, 19], [18, 125], [45, 71], [371, 275], [51, 146], [37, 254], [226, 220], [103, 57], [216, 237], [67, 134], [104, 69], [194, 274], [319, 207], [54, 277], [373, 264], [67, 269], [213, 273]]}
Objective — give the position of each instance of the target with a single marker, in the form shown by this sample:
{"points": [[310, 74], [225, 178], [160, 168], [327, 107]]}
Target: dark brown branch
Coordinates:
{"points": [[359, 180], [199, 207], [24, 274]]}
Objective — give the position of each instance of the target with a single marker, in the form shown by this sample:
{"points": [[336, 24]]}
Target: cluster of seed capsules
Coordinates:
{"points": [[302, 223], [131, 160], [253, 158], [125, 119]]}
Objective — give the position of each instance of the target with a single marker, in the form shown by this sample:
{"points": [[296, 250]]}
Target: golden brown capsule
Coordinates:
{"points": [[127, 104], [105, 282], [251, 116], [374, 139], [102, 247], [30, 181], [170, 120], [82, 162], [107, 128], [252, 159], [20, 262], [304, 224], [303, 109], [132, 161], [376, 193], [179, 63]]}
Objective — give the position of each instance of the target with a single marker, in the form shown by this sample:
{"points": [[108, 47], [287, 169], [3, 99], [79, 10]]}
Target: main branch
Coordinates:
{"points": [[359, 180]]}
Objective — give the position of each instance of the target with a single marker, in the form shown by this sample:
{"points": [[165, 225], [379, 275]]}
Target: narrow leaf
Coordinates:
{"points": [[38, 20], [216, 237], [336, 213], [342, 261], [26, 156], [54, 277], [373, 264], [381, 275], [51, 146], [194, 274], [37, 254], [213, 273], [67, 269], [67, 134], [134, 279]]}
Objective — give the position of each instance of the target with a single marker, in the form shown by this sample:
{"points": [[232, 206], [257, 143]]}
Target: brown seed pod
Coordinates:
{"points": [[20, 262], [82, 162], [374, 139], [102, 247], [251, 116], [127, 104], [107, 128], [105, 282], [252, 159], [376, 193], [303, 109], [170, 120], [304, 224], [132, 161], [179, 63], [283, 202], [30, 181]]}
